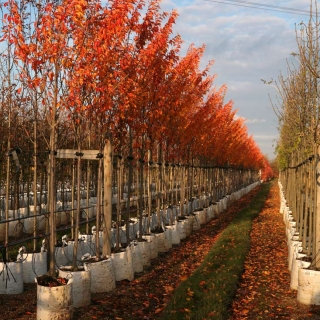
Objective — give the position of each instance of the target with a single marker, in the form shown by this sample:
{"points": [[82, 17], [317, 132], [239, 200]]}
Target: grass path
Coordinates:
{"points": [[208, 292]]}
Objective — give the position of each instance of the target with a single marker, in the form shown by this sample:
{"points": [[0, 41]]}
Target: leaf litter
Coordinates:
{"points": [[264, 290]]}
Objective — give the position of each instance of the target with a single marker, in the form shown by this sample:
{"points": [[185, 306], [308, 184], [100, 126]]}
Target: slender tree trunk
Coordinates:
{"points": [[107, 199], [182, 190], [98, 209], [130, 178], [119, 201], [141, 191], [52, 167], [73, 183], [149, 191]]}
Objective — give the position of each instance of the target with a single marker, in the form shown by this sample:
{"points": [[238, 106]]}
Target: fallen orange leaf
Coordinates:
{"points": [[158, 310], [168, 288]]}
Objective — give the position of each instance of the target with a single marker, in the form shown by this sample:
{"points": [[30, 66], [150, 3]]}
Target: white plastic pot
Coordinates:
{"points": [[292, 249], [282, 206], [191, 219], [16, 229], [145, 252], [41, 223], [201, 216], [34, 265], [220, 206], [297, 264], [205, 216], [290, 232], [87, 245], [175, 235], [61, 256], [289, 219], [215, 210], [102, 275], [168, 234], [162, 242], [181, 229], [188, 224], [308, 287], [122, 262], [196, 223], [81, 286], [69, 250], [210, 213], [27, 221], [154, 245], [136, 257], [11, 278], [294, 237], [63, 217], [54, 302]]}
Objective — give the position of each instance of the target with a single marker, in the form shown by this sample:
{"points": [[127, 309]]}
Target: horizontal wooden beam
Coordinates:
{"points": [[73, 154]]}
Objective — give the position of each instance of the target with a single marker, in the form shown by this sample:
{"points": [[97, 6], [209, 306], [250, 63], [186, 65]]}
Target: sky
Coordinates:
{"points": [[247, 44]]}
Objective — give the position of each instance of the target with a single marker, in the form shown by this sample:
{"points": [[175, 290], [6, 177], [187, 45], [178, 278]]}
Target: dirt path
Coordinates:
{"points": [[264, 292]]}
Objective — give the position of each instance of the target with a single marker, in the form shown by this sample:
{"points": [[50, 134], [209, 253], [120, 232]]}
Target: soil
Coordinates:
{"points": [[264, 291]]}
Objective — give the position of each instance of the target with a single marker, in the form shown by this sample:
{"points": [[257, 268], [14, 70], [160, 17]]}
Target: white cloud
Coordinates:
{"points": [[255, 120], [247, 45], [249, 120]]}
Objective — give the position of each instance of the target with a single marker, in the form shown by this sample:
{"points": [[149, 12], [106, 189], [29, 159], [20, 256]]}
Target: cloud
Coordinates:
{"points": [[247, 45], [255, 120], [249, 120]]}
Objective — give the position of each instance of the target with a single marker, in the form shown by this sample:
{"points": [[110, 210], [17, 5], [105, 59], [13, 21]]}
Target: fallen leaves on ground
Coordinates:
{"points": [[264, 291]]}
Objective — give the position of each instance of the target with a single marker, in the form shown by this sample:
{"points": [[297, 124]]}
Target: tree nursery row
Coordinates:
{"points": [[108, 132], [298, 156]]}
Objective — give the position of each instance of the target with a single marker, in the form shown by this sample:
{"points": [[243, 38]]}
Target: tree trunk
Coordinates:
{"points": [[107, 198]]}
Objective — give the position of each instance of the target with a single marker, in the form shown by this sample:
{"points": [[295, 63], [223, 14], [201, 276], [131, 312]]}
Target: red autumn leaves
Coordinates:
{"points": [[117, 68]]}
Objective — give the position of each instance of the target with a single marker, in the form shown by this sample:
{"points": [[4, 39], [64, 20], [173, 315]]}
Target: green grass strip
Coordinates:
{"points": [[209, 291]]}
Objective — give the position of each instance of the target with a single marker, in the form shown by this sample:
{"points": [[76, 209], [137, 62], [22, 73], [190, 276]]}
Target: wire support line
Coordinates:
{"points": [[270, 6], [255, 5], [308, 160]]}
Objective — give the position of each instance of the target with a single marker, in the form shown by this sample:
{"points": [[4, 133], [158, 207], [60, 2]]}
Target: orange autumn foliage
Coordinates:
{"points": [[117, 67]]}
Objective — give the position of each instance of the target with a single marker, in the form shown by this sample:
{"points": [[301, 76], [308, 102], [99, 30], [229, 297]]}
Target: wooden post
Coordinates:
{"points": [[141, 193], [159, 188], [35, 190], [107, 198], [77, 222], [119, 193], [98, 210], [88, 195], [182, 191]]}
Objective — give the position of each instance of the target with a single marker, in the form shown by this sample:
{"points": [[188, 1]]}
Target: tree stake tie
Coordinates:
{"points": [[5, 267]]}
